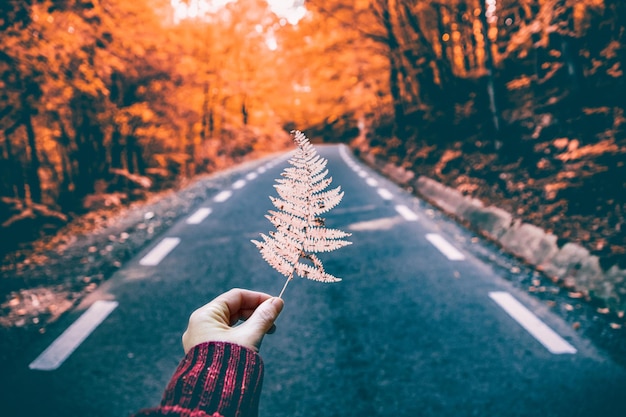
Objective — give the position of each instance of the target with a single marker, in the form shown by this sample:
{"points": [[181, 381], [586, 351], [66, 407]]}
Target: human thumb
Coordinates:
{"points": [[262, 320]]}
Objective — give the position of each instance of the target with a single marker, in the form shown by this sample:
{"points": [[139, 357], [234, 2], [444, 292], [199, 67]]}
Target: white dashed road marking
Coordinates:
{"points": [[222, 196], [251, 176], [54, 356], [371, 182], [199, 215], [362, 174], [406, 212], [160, 251], [239, 184], [385, 194], [261, 170], [533, 325], [445, 247]]}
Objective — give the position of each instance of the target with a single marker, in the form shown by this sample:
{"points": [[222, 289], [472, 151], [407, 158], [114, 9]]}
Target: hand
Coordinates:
{"points": [[213, 322]]}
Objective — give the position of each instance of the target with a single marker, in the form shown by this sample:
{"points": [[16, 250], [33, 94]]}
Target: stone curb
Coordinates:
{"points": [[571, 264]]}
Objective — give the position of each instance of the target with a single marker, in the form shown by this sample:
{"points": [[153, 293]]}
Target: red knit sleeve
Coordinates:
{"points": [[214, 379]]}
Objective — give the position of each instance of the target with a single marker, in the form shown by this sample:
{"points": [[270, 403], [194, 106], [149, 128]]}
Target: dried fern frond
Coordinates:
{"points": [[300, 232]]}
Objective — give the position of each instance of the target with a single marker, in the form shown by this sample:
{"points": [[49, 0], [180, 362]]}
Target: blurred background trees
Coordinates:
{"points": [[102, 100]]}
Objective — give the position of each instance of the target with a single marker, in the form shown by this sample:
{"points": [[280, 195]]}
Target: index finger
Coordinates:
{"points": [[238, 300]]}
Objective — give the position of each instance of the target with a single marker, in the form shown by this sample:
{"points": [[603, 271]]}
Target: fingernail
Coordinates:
{"points": [[277, 301]]}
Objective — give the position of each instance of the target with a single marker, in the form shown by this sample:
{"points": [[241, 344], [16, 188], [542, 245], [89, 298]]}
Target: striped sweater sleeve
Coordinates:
{"points": [[214, 379]]}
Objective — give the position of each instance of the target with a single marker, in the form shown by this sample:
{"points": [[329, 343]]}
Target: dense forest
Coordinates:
{"points": [[102, 101], [520, 103]]}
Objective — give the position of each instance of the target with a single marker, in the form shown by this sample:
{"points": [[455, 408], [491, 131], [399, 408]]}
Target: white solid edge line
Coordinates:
{"points": [[445, 247], [64, 345], [199, 216], [251, 176], [406, 212], [239, 184], [160, 251], [533, 325], [222, 196], [385, 194]]}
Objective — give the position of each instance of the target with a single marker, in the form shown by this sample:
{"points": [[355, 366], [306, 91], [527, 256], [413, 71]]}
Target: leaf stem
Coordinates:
{"points": [[289, 278]]}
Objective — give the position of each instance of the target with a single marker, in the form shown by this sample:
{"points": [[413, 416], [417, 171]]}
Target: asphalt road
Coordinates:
{"points": [[412, 330]]}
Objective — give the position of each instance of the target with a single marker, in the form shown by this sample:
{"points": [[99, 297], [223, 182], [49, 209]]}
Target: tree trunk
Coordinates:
{"points": [[116, 149], [445, 52], [427, 51], [244, 112], [97, 149], [130, 154], [394, 64], [489, 69], [465, 36], [67, 174], [223, 117], [400, 120], [617, 11], [84, 157], [67, 186], [15, 181], [5, 183], [139, 160], [34, 183], [134, 156], [437, 83], [206, 118]]}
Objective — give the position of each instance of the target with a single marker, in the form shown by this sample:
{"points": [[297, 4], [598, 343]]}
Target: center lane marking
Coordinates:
{"points": [[160, 251], [406, 212], [222, 196], [445, 247], [385, 194], [533, 325], [64, 345], [371, 182], [251, 176], [239, 184], [199, 216]]}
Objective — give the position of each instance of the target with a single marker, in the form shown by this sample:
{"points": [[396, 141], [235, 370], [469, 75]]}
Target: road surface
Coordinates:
{"points": [[417, 327]]}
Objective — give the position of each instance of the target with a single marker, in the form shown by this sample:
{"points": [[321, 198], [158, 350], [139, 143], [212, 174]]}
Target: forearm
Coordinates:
{"points": [[214, 377]]}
